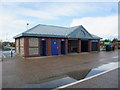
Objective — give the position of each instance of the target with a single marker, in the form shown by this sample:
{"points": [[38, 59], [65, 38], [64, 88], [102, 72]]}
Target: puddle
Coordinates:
{"points": [[78, 75], [51, 84], [72, 77], [102, 68]]}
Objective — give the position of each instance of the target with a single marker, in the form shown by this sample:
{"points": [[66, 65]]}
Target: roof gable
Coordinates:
{"points": [[80, 32]]}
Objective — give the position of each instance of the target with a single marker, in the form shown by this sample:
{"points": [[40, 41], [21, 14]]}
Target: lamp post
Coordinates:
{"points": [[27, 25]]}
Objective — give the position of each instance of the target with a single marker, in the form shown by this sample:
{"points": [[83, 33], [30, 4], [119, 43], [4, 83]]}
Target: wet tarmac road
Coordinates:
{"points": [[20, 71], [109, 80], [72, 77]]}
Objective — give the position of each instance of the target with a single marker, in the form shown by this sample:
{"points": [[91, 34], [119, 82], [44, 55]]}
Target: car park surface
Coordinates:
{"points": [[18, 71]]}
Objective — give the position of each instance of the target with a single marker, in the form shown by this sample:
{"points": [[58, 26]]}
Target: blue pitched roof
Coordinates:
{"points": [[59, 32]]}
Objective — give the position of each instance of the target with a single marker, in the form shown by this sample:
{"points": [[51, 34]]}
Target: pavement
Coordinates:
{"points": [[0, 75], [0, 69], [106, 80], [18, 71]]}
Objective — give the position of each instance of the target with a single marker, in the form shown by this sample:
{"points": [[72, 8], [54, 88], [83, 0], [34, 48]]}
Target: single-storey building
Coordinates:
{"points": [[45, 40]]}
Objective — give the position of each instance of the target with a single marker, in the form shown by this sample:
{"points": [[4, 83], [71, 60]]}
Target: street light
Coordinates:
{"points": [[27, 25]]}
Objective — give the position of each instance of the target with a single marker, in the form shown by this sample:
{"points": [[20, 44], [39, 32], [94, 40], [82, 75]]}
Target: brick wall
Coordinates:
{"points": [[33, 46], [48, 46], [89, 46], [30, 46], [98, 45], [59, 46], [79, 46], [66, 45], [19, 46]]}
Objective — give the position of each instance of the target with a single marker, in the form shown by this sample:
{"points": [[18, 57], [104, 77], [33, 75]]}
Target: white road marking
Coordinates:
{"points": [[115, 57], [84, 79]]}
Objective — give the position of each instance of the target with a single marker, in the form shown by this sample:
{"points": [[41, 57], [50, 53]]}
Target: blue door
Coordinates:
{"points": [[62, 47], [54, 47]]}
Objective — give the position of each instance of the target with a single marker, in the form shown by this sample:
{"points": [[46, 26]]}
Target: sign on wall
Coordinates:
{"points": [[106, 43], [94, 40]]}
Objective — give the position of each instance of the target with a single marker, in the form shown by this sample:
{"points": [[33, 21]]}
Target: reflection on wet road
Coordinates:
{"points": [[51, 84], [6, 54], [102, 68], [18, 71], [72, 77]]}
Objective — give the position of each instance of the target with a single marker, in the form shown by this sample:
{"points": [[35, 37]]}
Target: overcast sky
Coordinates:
{"points": [[99, 18]]}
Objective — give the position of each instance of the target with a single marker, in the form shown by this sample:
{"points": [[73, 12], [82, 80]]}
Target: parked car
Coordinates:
{"points": [[118, 46]]}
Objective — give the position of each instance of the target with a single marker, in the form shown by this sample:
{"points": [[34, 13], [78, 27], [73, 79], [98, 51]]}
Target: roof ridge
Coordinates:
{"points": [[51, 26], [59, 26], [54, 26]]}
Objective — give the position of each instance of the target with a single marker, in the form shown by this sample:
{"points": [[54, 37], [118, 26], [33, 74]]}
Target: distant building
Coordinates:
{"points": [[45, 40], [9, 44]]}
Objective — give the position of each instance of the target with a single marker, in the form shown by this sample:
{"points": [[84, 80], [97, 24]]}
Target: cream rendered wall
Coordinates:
{"points": [[33, 46], [21, 41], [21, 46], [33, 51], [17, 47], [21, 51], [33, 42]]}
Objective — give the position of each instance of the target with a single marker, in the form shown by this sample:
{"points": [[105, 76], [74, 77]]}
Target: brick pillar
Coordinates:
{"points": [[26, 46], [98, 45], [59, 46], [48, 46], [66, 46], [19, 45], [15, 45], [39, 46], [79, 46], [89, 46]]}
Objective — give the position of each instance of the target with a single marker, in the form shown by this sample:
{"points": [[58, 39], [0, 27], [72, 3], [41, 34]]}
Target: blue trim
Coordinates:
{"points": [[94, 40]]}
